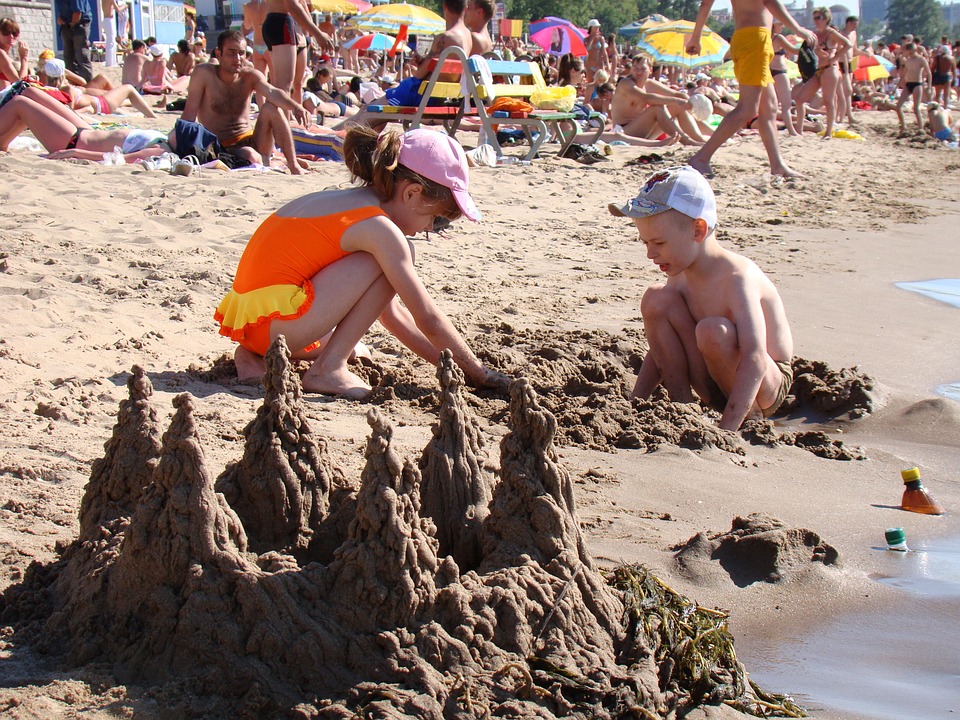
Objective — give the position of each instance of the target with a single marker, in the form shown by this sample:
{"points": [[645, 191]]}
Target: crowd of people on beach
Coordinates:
{"points": [[716, 327]]}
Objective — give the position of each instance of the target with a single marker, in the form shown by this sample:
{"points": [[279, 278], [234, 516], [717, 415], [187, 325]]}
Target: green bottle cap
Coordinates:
{"points": [[910, 475], [895, 536]]}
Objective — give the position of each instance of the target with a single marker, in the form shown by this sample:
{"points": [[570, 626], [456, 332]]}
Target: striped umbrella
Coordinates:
{"points": [[666, 44], [725, 71], [342, 7], [373, 41], [390, 18], [560, 40]]}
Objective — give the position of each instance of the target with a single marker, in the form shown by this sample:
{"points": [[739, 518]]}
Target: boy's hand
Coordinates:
{"points": [[693, 47]]}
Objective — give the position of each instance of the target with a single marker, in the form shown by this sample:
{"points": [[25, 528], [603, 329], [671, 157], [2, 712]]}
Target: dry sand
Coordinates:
{"points": [[103, 268]]}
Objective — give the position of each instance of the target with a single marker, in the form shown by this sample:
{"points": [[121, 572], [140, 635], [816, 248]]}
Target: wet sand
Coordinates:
{"points": [[130, 266]]}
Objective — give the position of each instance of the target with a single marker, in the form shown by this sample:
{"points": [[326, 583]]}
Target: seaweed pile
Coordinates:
{"points": [[281, 588]]}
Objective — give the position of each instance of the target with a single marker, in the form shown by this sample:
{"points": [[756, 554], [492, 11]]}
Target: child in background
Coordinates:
{"points": [[717, 326], [349, 250]]}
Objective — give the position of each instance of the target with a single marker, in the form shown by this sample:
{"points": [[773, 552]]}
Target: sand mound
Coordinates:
{"points": [[758, 548], [391, 626], [830, 392]]}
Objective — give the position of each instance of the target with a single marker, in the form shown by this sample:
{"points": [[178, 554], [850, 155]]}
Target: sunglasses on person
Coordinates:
{"points": [[11, 34], [819, 17]]}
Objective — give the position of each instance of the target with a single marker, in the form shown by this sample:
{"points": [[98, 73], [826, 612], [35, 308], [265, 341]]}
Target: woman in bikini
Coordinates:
{"points": [[830, 45], [64, 133], [11, 71], [778, 68], [326, 266]]}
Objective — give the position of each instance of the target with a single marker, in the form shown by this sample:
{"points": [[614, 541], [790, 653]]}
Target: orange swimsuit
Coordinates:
{"points": [[274, 277]]}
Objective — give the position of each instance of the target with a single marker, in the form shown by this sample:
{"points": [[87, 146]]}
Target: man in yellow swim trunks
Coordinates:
{"points": [[751, 49]]}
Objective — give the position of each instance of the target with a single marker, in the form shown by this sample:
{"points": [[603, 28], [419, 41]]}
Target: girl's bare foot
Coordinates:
{"points": [[360, 351], [250, 366], [785, 172], [340, 382]]}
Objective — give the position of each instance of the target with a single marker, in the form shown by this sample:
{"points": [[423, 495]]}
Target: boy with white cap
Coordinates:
{"points": [[717, 326]]}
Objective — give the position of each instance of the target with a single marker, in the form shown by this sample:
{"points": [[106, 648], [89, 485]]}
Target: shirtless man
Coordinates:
{"points": [[109, 8], [279, 29], [752, 49], [942, 126], [845, 87], [182, 61], [477, 17], [914, 73], [641, 107], [219, 99], [133, 64]]}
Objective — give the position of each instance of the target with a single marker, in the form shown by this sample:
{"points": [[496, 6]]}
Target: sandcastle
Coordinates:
{"points": [[436, 591]]}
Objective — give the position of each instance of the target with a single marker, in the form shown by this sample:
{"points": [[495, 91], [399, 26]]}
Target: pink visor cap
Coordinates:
{"points": [[438, 157]]}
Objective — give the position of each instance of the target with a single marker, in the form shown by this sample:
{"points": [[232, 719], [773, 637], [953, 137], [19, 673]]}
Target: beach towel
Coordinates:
{"points": [[322, 147]]}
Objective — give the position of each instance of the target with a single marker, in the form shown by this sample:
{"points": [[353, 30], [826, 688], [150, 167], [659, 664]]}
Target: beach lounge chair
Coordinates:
{"points": [[448, 107], [521, 80]]}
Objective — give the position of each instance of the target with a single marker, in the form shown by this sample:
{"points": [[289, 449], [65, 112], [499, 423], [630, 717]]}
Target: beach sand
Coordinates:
{"points": [[104, 268]]}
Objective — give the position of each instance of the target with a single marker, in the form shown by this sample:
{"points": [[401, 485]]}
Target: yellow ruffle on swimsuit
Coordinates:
{"points": [[751, 50], [273, 280]]}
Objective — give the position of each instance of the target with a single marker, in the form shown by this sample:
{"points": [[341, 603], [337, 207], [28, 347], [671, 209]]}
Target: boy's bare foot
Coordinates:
{"points": [[340, 382], [701, 167], [250, 366]]}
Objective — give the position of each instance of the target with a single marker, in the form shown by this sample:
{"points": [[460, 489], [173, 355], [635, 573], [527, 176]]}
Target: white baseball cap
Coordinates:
{"points": [[156, 50], [54, 68], [678, 188], [593, 23]]}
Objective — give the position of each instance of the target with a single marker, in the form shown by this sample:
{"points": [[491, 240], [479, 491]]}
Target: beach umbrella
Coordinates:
{"points": [[390, 18], [725, 71], [361, 5], [638, 27], [867, 68], [550, 21], [373, 41], [342, 7], [560, 40], [666, 44]]}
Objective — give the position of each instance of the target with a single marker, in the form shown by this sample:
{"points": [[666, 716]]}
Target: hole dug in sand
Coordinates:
{"points": [[281, 589]]}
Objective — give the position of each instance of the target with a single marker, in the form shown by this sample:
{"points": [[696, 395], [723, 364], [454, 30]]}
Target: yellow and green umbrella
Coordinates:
{"points": [[725, 71], [390, 18], [666, 44], [342, 7]]}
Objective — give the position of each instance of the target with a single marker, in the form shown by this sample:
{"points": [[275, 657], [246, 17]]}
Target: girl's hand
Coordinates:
{"points": [[490, 379], [23, 49]]}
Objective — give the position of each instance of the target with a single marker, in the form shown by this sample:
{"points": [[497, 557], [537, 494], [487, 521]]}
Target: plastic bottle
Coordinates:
{"points": [[896, 540], [915, 496]]}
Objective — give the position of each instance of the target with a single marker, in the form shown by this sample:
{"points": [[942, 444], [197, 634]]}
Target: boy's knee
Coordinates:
{"points": [[716, 334], [657, 301]]}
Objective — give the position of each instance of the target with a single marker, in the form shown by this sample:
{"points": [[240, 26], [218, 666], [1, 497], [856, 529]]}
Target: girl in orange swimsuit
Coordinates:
{"points": [[324, 267]]}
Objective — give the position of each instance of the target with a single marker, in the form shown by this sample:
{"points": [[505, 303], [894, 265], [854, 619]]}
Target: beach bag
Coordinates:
{"points": [[807, 61], [554, 97]]}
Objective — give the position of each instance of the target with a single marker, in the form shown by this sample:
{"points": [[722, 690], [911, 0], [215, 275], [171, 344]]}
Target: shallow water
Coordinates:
{"points": [[945, 290], [949, 390], [899, 665]]}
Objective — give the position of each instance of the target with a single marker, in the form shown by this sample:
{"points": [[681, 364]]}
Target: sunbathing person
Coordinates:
{"points": [[182, 62], [64, 133], [649, 112], [101, 102], [10, 70], [133, 64], [157, 79]]}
